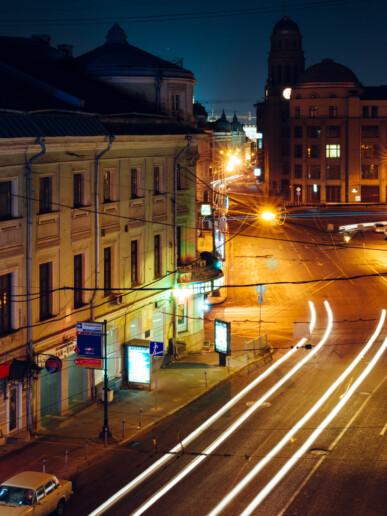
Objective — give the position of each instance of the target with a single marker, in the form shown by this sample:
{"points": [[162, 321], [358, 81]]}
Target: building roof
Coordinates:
{"points": [[118, 57], [329, 72], [285, 27], [137, 124]]}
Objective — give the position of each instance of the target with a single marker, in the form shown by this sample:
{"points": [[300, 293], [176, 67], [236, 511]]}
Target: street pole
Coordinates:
{"points": [[105, 428]]}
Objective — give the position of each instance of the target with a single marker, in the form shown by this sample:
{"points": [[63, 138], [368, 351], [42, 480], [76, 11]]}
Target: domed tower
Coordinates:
{"points": [[286, 58]]}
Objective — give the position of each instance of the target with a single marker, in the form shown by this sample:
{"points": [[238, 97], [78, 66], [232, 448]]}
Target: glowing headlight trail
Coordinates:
{"points": [[168, 456], [282, 472], [171, 483], [285, 440]]}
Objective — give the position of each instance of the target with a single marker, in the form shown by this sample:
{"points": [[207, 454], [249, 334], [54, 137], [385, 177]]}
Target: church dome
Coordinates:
{"points": [[222, 125], [286, 27], [236, 126], [327, 71]]}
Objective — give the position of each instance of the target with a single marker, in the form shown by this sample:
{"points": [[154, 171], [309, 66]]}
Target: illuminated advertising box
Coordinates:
{"points": [[137, 364], [222, 337]]}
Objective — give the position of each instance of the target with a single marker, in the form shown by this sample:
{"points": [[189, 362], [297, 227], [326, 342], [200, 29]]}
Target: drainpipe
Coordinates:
{"points": [[97, 225], [174, 311], [30, 351]]}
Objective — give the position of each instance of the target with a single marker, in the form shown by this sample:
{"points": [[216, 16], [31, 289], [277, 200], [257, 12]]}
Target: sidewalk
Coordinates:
{"points": [[68, 444]]}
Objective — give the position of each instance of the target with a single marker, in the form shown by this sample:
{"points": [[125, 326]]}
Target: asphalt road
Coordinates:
{"points": [[344, 470]]}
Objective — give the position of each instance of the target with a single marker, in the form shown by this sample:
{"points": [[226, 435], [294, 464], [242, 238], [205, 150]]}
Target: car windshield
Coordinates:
{"points": [[16, 495]]}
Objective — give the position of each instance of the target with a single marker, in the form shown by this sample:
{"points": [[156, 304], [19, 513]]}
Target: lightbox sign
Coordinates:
{"points": [[222, 337], [138, 365], [206, 210]]}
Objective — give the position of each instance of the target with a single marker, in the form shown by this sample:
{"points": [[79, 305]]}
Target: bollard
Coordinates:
{"points": [[44, 465], [139, 419], [86, 444], [205, 377], [247, 352], [106, 431], [66, 459], [228, 361], [123, 428]]}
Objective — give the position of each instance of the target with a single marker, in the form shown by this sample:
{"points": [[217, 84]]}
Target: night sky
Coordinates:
{"points": [[225, 45]]}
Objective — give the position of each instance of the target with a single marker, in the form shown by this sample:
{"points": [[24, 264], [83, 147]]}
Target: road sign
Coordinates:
{"points": [[272, 263], [89, 345], [53, 364], [90, 327], [156, 349], [260, 299], [261, 289], [93, 363]]}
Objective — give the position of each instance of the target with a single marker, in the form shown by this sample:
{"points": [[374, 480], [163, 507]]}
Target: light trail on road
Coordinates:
{"points": [[231, 429], [298, 426], [292, 461], [193, 435]]}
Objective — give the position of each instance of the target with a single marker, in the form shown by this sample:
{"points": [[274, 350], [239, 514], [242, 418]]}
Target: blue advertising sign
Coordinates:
{"points": [[138, 366], [222, 337], [156, 348], [89, 345]]}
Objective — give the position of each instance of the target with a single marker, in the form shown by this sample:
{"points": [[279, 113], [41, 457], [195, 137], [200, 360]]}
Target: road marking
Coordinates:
{"points": [[383, 430], [346, 390]]}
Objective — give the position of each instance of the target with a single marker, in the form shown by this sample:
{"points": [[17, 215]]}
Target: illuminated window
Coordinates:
{"points": [[369, 171], [313, 151], [109, 188], [333, 150], [313, 111], [5, 303], [369, 150]]}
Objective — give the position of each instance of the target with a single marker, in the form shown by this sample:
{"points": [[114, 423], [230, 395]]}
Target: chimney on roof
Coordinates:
{"points": [[42, 37], [66, 49]]}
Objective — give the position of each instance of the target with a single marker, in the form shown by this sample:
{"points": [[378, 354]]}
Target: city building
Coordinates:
{"points": [[323, 131], [98, 223]]}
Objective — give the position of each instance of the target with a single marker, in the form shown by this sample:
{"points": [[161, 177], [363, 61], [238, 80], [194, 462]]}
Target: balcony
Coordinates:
{"points": [[47, 227], [10, 233], [110, 220], [80, 223]]}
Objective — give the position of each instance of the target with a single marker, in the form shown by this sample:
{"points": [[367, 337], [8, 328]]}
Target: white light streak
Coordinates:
{"points": [[210, 449], [290, 463], [193, 435], [262, 463]]}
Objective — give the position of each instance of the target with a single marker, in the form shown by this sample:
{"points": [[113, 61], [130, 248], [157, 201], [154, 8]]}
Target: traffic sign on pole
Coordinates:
{"points": [[156, 349]]}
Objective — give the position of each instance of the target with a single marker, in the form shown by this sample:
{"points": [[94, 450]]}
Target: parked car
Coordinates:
{"points": [[379, 227], [34, 493], [385, 233]]}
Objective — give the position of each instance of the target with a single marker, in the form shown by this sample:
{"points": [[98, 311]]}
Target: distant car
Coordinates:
{"points": [[34, 493], [379, 227], [385, 233]]}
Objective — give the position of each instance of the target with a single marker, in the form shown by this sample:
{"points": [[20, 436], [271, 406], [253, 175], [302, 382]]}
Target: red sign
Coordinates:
{"points": [[94, 363], [53, 364], [4, 370]]}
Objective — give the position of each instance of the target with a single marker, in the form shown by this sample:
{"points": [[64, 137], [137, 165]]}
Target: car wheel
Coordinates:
{"points": [[60, 507]]}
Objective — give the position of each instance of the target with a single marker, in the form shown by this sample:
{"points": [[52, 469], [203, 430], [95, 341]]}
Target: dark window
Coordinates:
{"points": [[298, 171], [332, 193], [332, 111], [205, 196], [5, 303], [285, 169], [369, 171], [313, 151], [5, 200], [365, 112], [107, 270], [45, 290], [369, 150], [298, 131], [370, 131], [180, 178], [178, 246], [134, 262], [78, 280], [312, 111], [156, 180], [374, 111], [175, 104], [284, 149], [157, 255], [107, 186], [134, 183], [297, 112], [333, 131], [314, 171], [78, 190], [313, 131], [45, 194], [332, 171], [298, 151]]}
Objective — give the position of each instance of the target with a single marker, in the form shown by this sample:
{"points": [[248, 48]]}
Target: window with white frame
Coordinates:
{"points": [[157, 179], [45, 194], [79, 190], [7, 199], [135, 183], [45, 290], [109, 186]]}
